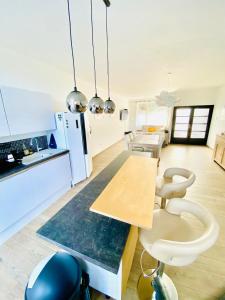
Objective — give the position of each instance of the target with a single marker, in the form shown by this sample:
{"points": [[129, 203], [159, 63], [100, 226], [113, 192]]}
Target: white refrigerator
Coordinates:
{"points": [[73, 133]]}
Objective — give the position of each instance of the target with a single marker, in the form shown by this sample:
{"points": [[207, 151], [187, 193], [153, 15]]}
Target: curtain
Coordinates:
{"points": [[149, 113]]}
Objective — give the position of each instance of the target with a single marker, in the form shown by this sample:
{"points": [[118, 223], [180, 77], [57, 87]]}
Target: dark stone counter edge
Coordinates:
{"points": [[21, 168], [79, 255], [113, 268]]}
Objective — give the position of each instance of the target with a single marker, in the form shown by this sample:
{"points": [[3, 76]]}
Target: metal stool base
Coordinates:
{"points": [[145, 289]]}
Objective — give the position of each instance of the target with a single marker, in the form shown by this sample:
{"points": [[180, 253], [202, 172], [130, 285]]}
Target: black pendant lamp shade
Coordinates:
{"points": [[109, 105], [96, 104], [76, 101]]}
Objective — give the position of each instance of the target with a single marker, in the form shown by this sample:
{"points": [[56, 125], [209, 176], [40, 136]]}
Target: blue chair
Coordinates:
{"points": [[57, 277]]}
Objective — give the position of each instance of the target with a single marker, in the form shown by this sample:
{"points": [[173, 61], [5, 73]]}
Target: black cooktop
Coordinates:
{"points": [[6, 166]]}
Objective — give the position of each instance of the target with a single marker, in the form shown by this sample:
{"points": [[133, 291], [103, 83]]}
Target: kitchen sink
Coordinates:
{"points": [[34, 157], [27, 160]]}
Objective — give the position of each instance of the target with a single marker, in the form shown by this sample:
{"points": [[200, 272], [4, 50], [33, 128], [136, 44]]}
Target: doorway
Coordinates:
{"points": [[191, 124]]}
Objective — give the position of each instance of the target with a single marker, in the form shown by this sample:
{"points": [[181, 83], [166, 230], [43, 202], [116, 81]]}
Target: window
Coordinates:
{"points": [[148, 113]]}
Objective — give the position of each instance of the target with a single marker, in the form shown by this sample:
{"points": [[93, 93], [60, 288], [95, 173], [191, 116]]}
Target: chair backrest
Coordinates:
{"points": [[170, 172], [127, 140], [182, 253], [132, 135], [171, 188], [54, 278], [128, 137]]}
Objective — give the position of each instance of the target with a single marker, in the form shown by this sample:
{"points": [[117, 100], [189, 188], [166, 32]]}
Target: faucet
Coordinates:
{"points": [[37, 146]]}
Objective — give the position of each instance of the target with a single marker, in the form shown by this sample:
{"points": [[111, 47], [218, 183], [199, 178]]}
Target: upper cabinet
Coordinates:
{"points": [[4, 128], [28, 111]]}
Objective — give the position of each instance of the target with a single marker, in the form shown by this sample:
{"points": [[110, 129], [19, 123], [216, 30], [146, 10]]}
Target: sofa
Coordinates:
{"points": [[155, 129]]}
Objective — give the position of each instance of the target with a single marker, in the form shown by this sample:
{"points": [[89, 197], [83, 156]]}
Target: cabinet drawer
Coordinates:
{"points": [[25, 191]]}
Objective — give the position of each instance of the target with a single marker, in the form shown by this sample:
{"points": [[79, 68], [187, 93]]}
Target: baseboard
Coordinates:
{"points": [[97, 154]]}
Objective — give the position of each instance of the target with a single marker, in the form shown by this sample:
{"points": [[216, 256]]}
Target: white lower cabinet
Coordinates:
{"points": [[21, 195]]}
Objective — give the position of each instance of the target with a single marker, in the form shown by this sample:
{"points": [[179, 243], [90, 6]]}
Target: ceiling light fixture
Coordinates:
{"points": [[96, 104], [166, 98], [76, 101], [109, 105]]}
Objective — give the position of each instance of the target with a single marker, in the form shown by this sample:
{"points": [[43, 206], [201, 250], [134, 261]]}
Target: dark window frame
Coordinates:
{"points": [[189, 140]]}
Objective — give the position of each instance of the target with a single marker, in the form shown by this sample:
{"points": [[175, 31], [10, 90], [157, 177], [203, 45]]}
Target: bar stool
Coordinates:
{"points": [[174, 241], [168, 188]]}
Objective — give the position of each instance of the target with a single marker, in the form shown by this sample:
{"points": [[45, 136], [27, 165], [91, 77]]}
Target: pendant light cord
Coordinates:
{"points": [[93, 48], [71, 46], [107, 47], [169, 80]]}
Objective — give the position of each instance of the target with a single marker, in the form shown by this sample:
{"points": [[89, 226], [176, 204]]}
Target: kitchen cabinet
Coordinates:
{"points": [[4, 128], [28, 111], [24, 192], [219, 150]]}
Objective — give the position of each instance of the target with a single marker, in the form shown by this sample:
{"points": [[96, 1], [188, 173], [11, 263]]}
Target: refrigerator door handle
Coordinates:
{"points": [[77, 124]]}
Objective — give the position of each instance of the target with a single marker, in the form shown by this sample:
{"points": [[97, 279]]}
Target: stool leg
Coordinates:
{"points": [[160, 269], [163, 203], [158, 284]]}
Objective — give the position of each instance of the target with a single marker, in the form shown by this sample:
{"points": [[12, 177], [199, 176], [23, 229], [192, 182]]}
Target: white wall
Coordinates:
{"points": [[106, 130], [132, 115], [218, 120], [197, 96], [24, 72]]}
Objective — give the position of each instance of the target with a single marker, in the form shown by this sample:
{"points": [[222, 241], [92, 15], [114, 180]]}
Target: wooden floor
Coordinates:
{"points": [[203, 280]]}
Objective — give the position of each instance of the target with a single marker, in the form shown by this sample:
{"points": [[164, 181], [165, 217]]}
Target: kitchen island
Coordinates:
{"points": [[105, 246]]}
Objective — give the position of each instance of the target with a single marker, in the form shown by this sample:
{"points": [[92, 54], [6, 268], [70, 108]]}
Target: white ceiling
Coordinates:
{"points": [[148, 39]]}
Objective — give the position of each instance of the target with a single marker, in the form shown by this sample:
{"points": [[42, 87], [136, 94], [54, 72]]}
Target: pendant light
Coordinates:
{"points": [[167, 98], [96, 104], [109, 105], [76, 101]]}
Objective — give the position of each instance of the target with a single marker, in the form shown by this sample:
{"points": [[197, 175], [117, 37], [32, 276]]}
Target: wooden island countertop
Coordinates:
{"points": [[129, 196]]}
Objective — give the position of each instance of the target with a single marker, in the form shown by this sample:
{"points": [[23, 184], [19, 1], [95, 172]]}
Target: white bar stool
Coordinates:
{"points": [[168, 188], [173, 241]]}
